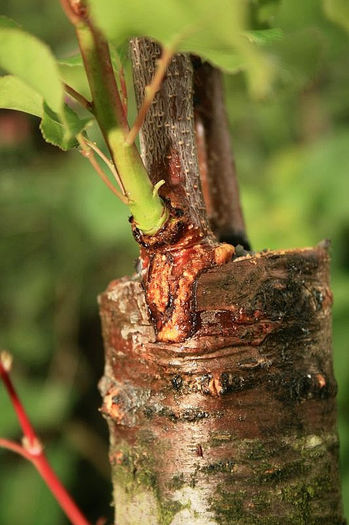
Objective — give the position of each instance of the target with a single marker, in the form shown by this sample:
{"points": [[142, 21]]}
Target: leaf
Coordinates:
{"points": [[228, 62], [72, 61], [196, 24], [62, 134], [338, 12], [72, 72], [28, 58], [266, 12], [5, 21], [38, 74], [213, 30], [15, 94], [264, 36]]}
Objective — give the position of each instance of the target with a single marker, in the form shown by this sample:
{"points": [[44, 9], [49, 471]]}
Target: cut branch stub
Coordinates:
{"points": [[238, 423], [172, 259], [217, 167]]}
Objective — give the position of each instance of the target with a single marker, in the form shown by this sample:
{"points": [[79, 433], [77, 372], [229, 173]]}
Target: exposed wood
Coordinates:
{"points": [[238, 423], [172, 259]]}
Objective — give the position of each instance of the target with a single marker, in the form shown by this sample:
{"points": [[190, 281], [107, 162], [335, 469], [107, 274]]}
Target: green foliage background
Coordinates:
{"points": [[63, 237]]}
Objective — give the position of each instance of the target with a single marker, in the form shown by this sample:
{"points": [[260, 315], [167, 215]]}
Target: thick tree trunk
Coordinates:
{"points": [[218, 386], [237, 425]]}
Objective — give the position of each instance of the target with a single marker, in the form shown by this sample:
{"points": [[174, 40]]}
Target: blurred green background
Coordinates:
{"points": [[64, 237]]}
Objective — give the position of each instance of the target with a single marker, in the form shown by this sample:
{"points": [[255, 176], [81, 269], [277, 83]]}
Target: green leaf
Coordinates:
{"points": [[338, 12], [72, 61], [264, 36], [59, 130], [213, 30], [228, 62], [15, 94], [7, 22], [28, 58], [62, 134], [196, 24], [266, 12], [72, 72]]}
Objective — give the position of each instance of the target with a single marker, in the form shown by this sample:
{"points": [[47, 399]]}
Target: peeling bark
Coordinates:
{"points": [[237, 424]]}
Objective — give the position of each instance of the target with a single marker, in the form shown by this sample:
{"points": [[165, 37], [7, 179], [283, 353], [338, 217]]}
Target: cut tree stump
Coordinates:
{"points": [[236, 425]]}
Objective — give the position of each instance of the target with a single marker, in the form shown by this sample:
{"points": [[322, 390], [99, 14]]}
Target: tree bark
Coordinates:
{"points": [[237, 425], [217, 167], [218, 387], [167, 136], [172, 259]]}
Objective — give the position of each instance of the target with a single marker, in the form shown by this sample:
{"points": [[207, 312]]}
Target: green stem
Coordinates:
{"points": [[146, 206]]}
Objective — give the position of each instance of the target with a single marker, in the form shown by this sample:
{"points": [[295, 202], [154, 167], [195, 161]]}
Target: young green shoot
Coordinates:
{"points": [[148, 210]]}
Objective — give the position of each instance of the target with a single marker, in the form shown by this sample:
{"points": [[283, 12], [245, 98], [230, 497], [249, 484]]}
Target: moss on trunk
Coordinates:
{"points": [[237, 424]]}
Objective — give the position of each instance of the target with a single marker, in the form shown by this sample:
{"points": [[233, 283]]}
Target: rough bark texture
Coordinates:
{"points": [[236, 425], [218, 386], [172, 259], [168, 137]]}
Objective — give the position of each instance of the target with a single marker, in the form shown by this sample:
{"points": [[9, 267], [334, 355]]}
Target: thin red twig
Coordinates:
{"points": [[32, 450], [107, 161], [87, 152], [123, 87], [15, 447], [71, 13], [23, 419], [122, 82]]}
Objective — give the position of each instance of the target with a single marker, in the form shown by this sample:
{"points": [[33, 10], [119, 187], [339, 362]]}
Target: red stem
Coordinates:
{"points": [[15, 447], [123, 87], [23, 419], [48, 475], [33, 451]]}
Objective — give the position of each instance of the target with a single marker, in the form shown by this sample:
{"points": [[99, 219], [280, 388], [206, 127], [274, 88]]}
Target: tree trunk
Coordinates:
{"points": [[235, 422]]}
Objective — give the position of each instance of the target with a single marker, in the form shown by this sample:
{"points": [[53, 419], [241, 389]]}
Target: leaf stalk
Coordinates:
{"points": [[148, 209]]}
